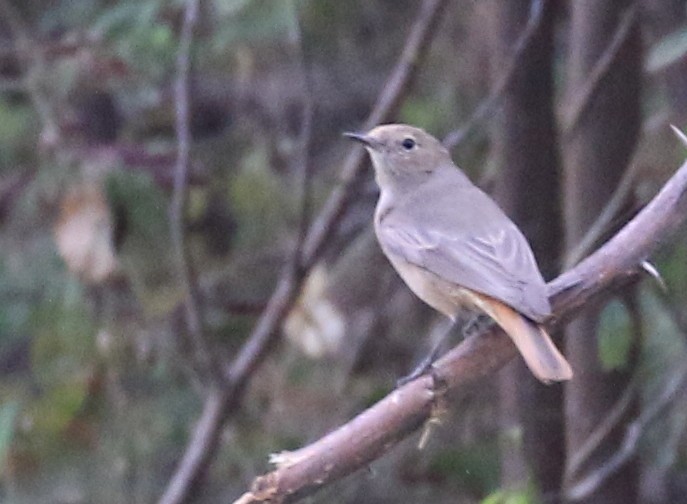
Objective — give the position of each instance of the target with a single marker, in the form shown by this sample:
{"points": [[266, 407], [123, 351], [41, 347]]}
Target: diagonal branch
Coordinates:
{"points": [[206, 433], [323, 227], [580, 101], [376, 430]]}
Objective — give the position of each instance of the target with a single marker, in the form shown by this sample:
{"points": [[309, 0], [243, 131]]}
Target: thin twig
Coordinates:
{"points": [[603, 222], [205, 365], [378, 429], [305, 135], [265, 332], [610, 212], [202, 441], [615, 415], [580, 101], [457, 136], [323, 227]]}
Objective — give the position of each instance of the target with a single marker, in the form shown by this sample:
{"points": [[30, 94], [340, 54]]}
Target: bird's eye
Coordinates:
{"points": [[408, 143]]}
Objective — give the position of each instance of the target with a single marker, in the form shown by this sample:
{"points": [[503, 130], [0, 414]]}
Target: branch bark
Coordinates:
{"points": [[378, 429]]}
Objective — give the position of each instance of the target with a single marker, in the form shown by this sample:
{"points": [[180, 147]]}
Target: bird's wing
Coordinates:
{"points": [[495, 260]]}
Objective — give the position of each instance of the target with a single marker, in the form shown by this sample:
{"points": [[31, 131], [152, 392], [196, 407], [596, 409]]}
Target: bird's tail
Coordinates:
{"points": [[534, 344]]}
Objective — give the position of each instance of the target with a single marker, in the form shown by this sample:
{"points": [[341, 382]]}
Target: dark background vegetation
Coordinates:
{"points": [[159, 172]]}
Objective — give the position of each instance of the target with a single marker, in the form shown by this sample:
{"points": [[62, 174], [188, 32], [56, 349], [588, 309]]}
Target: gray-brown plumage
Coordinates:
{"points": [[454, 246]]}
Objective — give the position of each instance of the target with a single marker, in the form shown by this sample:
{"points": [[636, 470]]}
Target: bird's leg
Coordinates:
{"points": [[426, 363], [477, 323]]}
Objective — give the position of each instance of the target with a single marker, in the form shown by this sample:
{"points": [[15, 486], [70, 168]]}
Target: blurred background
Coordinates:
{"points": [[161, 162]]}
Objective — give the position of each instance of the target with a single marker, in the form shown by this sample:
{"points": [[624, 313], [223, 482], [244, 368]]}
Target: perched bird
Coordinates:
{"points": [[453, 245]]}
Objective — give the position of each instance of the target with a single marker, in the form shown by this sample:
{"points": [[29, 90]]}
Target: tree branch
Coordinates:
{"points": [[574, 110], [605, 219], [265, 332], [588, 484], [325, 224], [305, 135], [376, 430], [205, 366], [202, 442]]}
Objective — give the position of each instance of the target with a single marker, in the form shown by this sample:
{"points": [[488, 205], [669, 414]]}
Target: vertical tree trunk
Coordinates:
{"points": [[601, 133], [525, 144]]}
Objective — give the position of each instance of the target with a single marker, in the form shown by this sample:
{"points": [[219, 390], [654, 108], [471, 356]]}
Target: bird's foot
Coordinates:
{"points": [[421, 369], [477, 324]]}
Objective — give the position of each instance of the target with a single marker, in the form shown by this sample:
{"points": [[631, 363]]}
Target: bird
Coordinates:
{"points": [[454, 246]]}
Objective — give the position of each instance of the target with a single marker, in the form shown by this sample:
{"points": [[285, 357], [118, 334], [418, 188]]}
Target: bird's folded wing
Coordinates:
{"points": [[497, 262]]}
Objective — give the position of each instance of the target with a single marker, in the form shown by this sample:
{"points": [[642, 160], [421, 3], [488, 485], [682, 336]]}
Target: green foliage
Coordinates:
{"points": [[137, 33], [258, 195], [71, 14], [424, 112], [474, 467], [145, 205], [665, 350], [17, 130], [63, 340], [673, 269], [51, 413], [523, 496], [615, 336], [254, 21], [146, 251], [8, 415]]}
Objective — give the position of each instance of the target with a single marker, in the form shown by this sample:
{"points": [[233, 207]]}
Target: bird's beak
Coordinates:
{"points": [[364, 139]]}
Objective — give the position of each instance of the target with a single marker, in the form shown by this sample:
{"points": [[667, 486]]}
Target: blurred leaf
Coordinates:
{"points": [[84, 233], [63, 339], [664, 348], [258, 196], [17, 125], [476, 466], [424, 112], [8, 415], [664, 342], [144, 203], [667, 51], [58, 406], [139, 35], [674, 270], [230, 7], [121, 18], [60, 16], [254, 21], [145, 252], [615, 336], [315, 325], [522, 496]]}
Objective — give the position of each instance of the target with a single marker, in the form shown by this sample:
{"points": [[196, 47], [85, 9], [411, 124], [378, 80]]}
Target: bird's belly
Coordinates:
{"points": [[445, 297]]}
